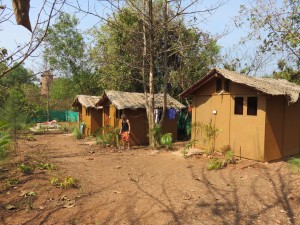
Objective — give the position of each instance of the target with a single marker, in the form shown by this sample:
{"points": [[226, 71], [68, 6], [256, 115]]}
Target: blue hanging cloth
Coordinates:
{"points": [[171, 113]]}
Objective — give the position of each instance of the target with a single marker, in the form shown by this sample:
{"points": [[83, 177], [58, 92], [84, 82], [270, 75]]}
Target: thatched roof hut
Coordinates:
{"points": [[266, 85], [258, 117], [134, 100], [86, 100]]}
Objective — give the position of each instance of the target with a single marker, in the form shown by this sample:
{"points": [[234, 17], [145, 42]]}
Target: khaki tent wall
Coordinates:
{"points": [[211, 107], [274, 127], [291, 136], [245, 134], [204, 107]]}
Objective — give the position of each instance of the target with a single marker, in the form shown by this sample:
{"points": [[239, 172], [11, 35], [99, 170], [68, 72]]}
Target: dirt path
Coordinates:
{"points": [[145, 187]]}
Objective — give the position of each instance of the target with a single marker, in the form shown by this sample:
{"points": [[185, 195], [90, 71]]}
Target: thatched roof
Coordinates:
{"points": [[86, 100], [133, 100], [266, 85]]}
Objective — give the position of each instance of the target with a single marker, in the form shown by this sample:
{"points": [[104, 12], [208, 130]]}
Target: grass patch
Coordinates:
{"points": [[294, 164]]}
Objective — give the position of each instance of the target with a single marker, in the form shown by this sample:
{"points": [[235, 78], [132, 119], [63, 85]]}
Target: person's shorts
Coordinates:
{"points": [[125, 136]]}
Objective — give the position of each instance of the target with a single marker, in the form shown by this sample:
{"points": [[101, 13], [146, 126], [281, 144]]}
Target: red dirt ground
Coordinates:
{"points": [[142, 186]]}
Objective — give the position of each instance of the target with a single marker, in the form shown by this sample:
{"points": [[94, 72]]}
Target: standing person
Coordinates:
{"points": [[125, 131]]}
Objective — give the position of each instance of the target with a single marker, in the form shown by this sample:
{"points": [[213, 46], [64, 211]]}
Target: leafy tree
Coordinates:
{"points": [[13, 115], [65, 51], [62, 93], [277, 25], [119, 52]]}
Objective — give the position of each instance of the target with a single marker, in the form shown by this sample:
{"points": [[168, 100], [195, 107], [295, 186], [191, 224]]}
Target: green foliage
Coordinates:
{"points": [[76, 133], [66, 183], [65, 51], [166, 140], [109, 136], [5, 144], [210, 133], [63, 91], [119, 49], [276, 25], [26, 169], [214, 164], [66, 128], [288, 73], [294, 164]]}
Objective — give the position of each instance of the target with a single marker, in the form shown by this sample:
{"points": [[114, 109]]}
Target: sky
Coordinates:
{"points": [[12, 35]]}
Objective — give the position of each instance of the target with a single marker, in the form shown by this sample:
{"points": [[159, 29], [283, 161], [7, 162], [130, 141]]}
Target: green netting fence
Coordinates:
{"points": [[59, 116]]}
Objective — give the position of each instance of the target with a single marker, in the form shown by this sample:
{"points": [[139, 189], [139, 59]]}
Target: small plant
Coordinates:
{"points": [[110, 137], [46, 166], [187, 147], [68, 182], [215, 164], [166, 140], [77, 133], [26, 169], [156, 131], [5, 144], [211, 133], [294, 164], [65, 128], [11, 182], [29, 137], [54, 181]]}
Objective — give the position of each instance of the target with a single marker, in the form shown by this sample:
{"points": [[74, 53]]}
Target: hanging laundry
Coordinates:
{"points": [[157, 115], [171, 113]]}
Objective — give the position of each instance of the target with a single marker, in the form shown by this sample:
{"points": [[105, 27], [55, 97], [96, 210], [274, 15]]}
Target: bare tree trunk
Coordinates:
{"points": [[151, 78], [166, 70], [144, 59]]}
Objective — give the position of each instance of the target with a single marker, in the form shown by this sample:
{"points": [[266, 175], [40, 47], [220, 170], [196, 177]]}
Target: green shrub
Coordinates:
{"points": [[76, 133], [5, 145], [109, 137], [64, 128], [166, 140], [26, 169], [156, 131], [294, 164]]}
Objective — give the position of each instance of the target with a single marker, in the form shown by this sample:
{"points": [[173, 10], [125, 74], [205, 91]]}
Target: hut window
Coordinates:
{"points": [[87, 111], [119, 113], [252, 106], [238, 105], [226, 85], [218, 85]]}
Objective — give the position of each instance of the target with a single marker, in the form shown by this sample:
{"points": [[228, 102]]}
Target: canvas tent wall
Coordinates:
{"points": [[115, 103], [257, 117], [89, 114]]}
